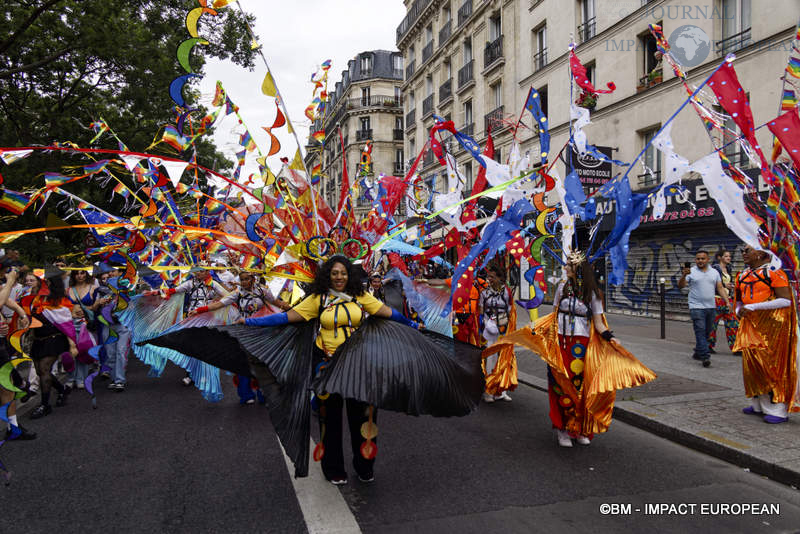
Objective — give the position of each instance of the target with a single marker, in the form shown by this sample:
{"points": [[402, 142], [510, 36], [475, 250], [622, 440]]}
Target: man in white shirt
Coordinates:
{"points": [[703, 282]]}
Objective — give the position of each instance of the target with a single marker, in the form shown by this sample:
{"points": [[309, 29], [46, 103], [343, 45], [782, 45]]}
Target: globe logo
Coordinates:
{"points": [[689, 45]]}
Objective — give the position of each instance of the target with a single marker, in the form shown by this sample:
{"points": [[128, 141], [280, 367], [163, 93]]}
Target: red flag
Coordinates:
{"points": [[579, 75], [480, 180], [733, 100], [787, 129]]}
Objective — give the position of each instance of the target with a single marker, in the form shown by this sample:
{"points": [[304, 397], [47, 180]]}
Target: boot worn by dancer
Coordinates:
{"points": [[563, 438], [40, 411]]}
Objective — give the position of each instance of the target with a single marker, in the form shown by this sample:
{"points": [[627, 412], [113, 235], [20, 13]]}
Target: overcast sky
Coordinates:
{"points": [[296, 36]]}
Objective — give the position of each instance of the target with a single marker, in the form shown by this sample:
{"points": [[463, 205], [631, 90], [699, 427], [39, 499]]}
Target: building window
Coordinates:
{"points": [[651, 159], [411, 103], [412, 149], [543, 99], [468, 113], [398, 123], [586, 28], [467, 51], [410, 54], [364, 124], [365, 96], [497, 95], [397, 62], [497, 155], [468, 176], [647, 43], [429, 85], [494, 28], [448, 70], [590, 70], [735, 26], [540, 47], [366, 65]]}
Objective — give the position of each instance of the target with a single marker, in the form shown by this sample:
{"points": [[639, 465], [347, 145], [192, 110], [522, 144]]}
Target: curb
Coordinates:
{"points": [[687, 439]]}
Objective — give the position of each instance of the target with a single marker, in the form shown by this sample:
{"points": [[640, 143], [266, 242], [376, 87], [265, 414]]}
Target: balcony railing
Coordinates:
{"points": [[446, 91], [399, 168], [494, 119], [397, 134], [493, 51], [363, 135], [386, 101], [444, 33], [427, 106], [411, 17], [465, 74], [540, 59], [734, 42], [410, 69], [586, 30], [411, 118], [427, 51], [468, 129], [464, 12], [647, 179]]}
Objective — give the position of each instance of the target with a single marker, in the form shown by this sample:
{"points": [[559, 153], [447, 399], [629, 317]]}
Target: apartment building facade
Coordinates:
{"points": [[495, 51], [365, 105]]}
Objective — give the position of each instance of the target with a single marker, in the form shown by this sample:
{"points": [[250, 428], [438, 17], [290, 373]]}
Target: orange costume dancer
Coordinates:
{"points": [[767, 338], [586, 364], [497, 309]]}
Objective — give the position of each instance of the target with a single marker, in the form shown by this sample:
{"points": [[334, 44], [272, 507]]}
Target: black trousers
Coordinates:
{"points": [[330, 422]]}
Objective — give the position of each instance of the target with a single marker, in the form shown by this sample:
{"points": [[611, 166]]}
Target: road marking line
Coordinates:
{"points": [[324, 509]]}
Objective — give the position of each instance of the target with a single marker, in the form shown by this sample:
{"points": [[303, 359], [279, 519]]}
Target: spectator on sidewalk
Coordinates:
{"points": [[725, 313], [703, 282], [767, 338]]}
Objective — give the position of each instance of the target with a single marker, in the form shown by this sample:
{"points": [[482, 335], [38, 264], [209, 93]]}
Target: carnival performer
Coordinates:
{"points": [[586, 363], [767, 338], [201, 290], [466, 319], [7, 396], [53, 339], [365, 363], [725, 312], [496, 304], [81, 292], [249, 299]]}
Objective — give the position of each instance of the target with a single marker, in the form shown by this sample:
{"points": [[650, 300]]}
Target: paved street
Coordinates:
{"points": [[158, 458]]}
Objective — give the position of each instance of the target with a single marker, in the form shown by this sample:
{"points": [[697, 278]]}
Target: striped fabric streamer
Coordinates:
{"points": [[789, 100], [793, 68]]}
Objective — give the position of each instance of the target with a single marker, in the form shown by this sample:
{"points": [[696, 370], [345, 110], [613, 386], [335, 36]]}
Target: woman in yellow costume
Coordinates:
{"points": [[585, 363], [767, 338]]}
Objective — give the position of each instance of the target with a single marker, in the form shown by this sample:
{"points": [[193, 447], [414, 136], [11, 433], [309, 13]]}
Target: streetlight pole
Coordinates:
{"points": [[662, 293]]}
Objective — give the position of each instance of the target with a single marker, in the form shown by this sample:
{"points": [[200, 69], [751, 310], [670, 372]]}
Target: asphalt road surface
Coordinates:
{"points": [[158, 458]]}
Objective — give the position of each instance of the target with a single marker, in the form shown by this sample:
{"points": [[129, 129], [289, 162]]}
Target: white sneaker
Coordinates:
{"points": [[503, 396], [487, 398], [583, 440], [563, 438]]}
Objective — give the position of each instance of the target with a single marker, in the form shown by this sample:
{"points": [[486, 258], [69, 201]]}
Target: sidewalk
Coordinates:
{"points": [[695, 406]]}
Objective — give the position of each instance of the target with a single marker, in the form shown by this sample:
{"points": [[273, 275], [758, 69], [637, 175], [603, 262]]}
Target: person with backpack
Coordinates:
{"points": [[767, 338], [496, 304]]}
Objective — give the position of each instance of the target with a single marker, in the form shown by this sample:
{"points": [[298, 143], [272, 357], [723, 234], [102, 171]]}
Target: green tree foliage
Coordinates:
{"points": [[66, 63]]}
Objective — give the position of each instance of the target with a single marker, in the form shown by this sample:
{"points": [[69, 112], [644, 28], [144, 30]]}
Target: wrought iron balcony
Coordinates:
{"points": [[397, 134], [734, 42], [427, 106], [363, 135], [493, 51], [446, 91], [428, 158], [411, 118], [411, 17], [540, 60], [465, 74], [494, 119], [445, 32], [464, 12], [386, 101], [427, 51], [647, 179], [410, 69], [586, 30]]}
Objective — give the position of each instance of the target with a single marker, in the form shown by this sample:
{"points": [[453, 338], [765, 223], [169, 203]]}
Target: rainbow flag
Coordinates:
{"points": [[246, 140], [788, 100], [120, 189], [55, 179], [174, 139], [13, 201], [230, 107], [327, 63], [793, 68], [280, 202], [250, 261], [316, 174], [214, 207], [96, 167], [213, 247], [318, 136]]}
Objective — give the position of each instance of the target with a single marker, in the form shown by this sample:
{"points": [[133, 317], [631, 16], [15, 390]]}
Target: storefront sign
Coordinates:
{"points": [[593, 172]]}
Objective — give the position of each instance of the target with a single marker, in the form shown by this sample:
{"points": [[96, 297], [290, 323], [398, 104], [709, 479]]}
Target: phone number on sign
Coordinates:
{"points": [[678, 215]]}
